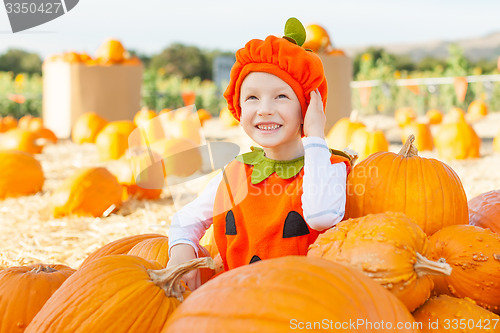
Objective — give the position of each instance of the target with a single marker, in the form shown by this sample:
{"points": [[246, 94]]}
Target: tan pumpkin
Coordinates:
{"points": [[477, 110], [156, 249], [112, 140], [457, 140], [422, 133], [474, 255], [88, 192], [434, 116], [340, 135], [287, 293], [24, 290], [22, 174], [451, 314], [86, 127], [119, 246], [118, 293], [484, 211], [20, 139], [404, 116], [426, 190], [389, 248], [366, 141]]}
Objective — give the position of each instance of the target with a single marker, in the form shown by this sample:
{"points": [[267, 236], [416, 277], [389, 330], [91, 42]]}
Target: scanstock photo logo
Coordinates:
{"points": [[26, 14]]}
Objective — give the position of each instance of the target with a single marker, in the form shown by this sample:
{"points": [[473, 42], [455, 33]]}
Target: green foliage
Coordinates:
{"points": [[19, 61]]}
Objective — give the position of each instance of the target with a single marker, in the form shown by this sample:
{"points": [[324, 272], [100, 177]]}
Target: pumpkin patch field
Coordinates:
{"points": [[419, 243]]}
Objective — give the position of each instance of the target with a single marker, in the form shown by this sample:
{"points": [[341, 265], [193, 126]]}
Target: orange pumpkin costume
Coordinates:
{"points": [[262, 220]]}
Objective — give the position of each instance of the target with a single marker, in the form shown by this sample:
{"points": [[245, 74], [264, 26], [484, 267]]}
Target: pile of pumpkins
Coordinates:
{"points": [[411, 254], [454, 138], [126, 172], [110, 52]]}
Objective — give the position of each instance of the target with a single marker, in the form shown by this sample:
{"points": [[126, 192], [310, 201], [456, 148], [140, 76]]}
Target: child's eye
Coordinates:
{"points": [[251, 97], [282, 96]]}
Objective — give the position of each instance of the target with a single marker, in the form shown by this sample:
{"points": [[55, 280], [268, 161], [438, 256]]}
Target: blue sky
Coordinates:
{"points": [[150, 25]]}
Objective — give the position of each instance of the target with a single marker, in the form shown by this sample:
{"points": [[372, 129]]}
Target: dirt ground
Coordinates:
{"points": [[29, 233]]}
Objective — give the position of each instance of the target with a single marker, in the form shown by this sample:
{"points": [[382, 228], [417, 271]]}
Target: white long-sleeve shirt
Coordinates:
{"points": [[323, 197]]}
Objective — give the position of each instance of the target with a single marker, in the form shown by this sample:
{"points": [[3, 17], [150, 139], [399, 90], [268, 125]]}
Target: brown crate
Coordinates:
{"points": [[69, 90]]}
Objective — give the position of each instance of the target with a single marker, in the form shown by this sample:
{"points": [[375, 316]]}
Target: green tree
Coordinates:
{"points": [[19, 61], [184, 61]]}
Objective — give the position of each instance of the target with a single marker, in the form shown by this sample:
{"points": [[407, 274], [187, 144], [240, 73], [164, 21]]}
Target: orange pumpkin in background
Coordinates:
{"points": [[227, 118], [24, 290], [22, 174], [457, 140], [422, 133], [88, 192], [112, 140], [86, 127], [317, 38], [425, 189], [404, 116], [180, 155], [340, 135], [366, 141], [111, 51], [20, 139], [7, 123], [434, 116], [484, 210], [477, 110], [454, 115]]}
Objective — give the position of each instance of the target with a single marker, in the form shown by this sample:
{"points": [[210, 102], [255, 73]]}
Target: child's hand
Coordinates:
{"points": [[179, 254], [315, 118]]}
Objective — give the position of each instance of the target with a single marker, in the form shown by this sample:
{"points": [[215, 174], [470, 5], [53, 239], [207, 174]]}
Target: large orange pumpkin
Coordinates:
{"points": [[88, 192], [390, 248], [21, 139], [86, 127], [422, 133], [484, 210], [451, 314], [457, 140], [474, 255], [119, 293], [24, 290], [119, 246], [287, 293], [426, 190], [340, 135], [21, 174]]}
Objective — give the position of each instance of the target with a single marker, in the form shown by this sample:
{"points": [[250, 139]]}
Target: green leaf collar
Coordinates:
{"points": [[263, 167]]}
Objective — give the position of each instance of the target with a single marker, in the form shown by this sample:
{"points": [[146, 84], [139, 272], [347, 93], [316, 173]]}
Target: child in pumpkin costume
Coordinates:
{"points": [[273, 201]]}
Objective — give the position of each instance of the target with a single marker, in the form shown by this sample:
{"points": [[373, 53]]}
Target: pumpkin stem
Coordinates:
{"points": [[169, 279], [43, 268], [409, 150], [424, 266]]}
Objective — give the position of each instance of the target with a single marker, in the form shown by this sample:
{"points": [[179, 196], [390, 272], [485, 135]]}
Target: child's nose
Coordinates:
{"points": [[265, 108]]}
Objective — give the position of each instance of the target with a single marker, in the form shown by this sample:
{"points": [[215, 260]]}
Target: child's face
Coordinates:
{"points": [[270, 110]]}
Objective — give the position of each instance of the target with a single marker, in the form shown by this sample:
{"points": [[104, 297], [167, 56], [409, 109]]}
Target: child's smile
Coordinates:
{"points": [[271, 115]]}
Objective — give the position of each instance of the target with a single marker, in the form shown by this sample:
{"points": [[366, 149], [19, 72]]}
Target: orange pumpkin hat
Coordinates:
{"points": [[283, 57]]}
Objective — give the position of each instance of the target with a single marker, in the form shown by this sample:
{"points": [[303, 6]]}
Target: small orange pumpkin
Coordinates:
{"points": [[317, 38], [7, 123], [227, 118], [24, 290], [454, 115], [484, 211], [422, 133], [111, 51], [474, 255], [112, 140], [404, 116], [340, 135], [88, 192], [21, 174], [86, 127], [20, 139], [434, 116], [477, 110], [457, 140], [181, 156], [366, 141]]}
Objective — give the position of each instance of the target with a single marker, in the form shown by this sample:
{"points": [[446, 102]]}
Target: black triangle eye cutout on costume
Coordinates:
{"points": [[254, 259], [230, 223], [295, 225]]}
